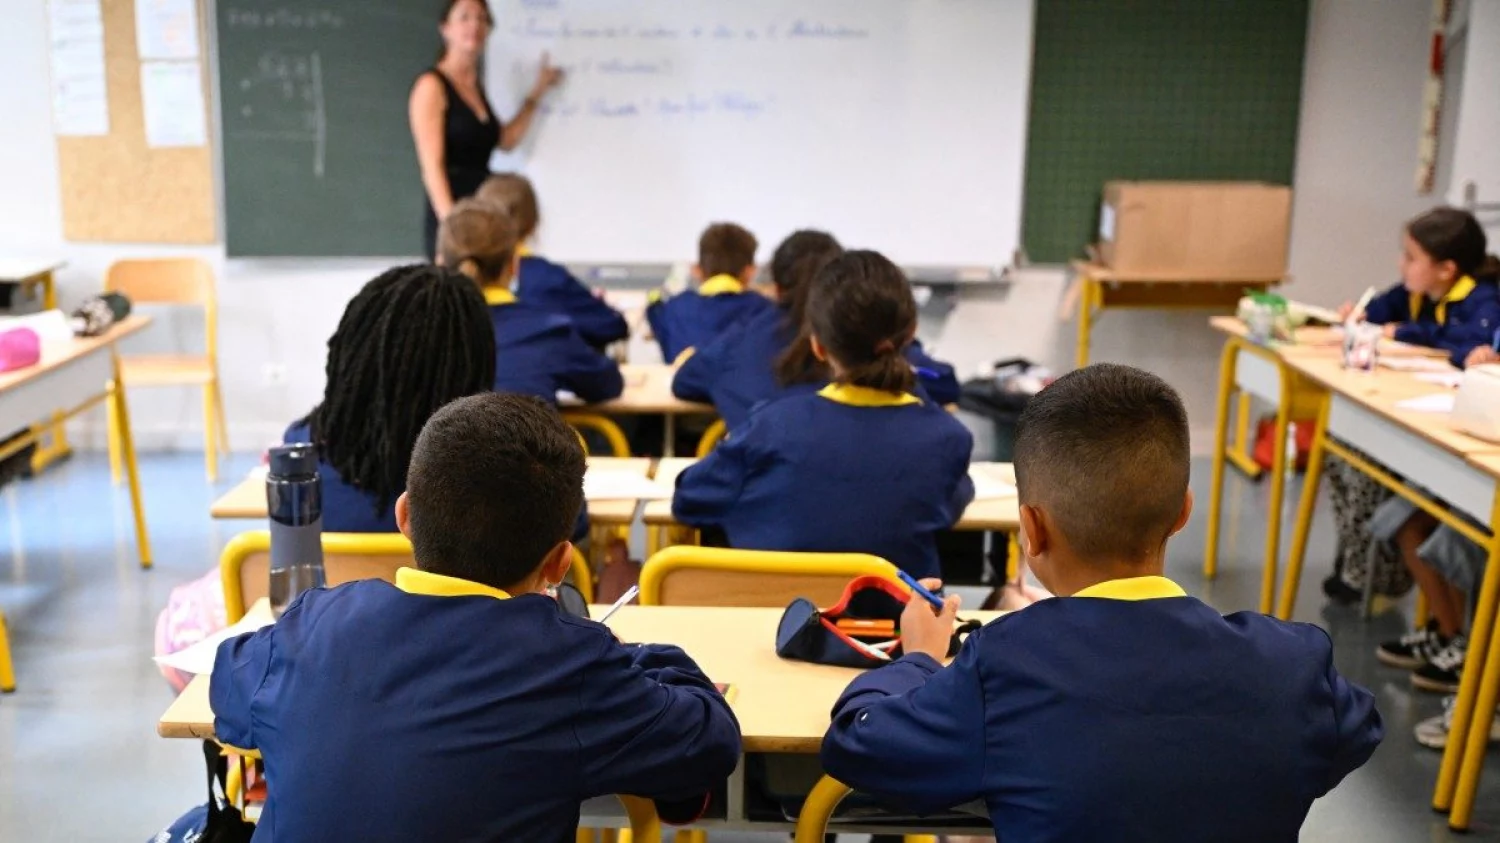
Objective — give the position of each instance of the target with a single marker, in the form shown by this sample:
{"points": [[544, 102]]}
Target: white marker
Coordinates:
{"points": [[628, 596]]}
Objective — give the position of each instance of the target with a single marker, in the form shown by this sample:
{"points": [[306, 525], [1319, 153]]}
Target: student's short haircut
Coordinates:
{"points": [[513, 192], [1104, 450], [725, 249], [496, 481]]}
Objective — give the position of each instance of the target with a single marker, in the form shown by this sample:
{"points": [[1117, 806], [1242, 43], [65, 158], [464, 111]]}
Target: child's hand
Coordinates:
{"points": [[1480, 356], [924, 629], [1389, 331], [1344, 310]]}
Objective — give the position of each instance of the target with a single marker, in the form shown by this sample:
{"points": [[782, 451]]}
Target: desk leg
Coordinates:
{"points": [[49, 292], [52, 444], [1472, 691], [1242, 455], [132, 470], [1305, 512], [7, 672], [1227, 362], [1086, 318], [669, 443], [1278, 493]]}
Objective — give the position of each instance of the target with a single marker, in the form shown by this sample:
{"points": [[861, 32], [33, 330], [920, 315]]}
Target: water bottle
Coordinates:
{"points": [[294, 500]]}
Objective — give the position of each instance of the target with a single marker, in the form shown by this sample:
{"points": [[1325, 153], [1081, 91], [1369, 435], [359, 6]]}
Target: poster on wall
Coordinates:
{"points": [[80, 98], [172, 97], [166, 29]]}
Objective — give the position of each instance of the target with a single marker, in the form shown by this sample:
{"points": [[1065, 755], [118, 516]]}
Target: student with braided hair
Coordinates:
{"points": [[862, 465]]}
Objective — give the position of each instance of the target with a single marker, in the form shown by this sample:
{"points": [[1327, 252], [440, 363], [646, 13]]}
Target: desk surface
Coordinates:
{"points": [[782, 705], [648, 389], [25, 269], [1321, 340], [248, 498], [1381, 390], [1099, 272], [55, 354], [1000, 514]]}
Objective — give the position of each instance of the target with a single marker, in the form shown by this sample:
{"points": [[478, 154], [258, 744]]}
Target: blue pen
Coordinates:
{"points": [[919, 590], [1495, 343], [934, 374]]}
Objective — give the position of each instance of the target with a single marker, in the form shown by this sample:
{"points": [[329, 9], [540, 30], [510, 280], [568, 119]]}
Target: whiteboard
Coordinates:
{"points": [[898, 125]]}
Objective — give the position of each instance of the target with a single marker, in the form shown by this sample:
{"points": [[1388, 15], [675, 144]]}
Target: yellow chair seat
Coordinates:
{"points": [[166, 370]]}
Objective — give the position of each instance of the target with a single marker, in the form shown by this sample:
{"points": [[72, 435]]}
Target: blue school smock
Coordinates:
{"points": [[1129, 712], [346, 508], [845, 469], [441, 709], [1459, 322], [550, 286], [694, 318], [736, 371], [539, 353]]}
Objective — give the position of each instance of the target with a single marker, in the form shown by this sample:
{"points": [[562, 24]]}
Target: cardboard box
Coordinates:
{"points": [[1217, 230]]}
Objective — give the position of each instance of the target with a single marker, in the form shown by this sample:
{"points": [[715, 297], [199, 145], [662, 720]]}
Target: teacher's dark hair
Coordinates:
{"points": [[415, 338], [449, 6]]}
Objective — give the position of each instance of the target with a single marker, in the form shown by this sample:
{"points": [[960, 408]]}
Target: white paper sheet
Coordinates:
{"points": [[80, 101], [172, 95], [1440, 402], [615, 485], [1449, 379], [166, 29], [199, 658], [1416, 364], [989, 485]]}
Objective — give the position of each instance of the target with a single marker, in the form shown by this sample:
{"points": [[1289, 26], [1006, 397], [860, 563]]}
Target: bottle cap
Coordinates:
{"points": [[299, 459]]}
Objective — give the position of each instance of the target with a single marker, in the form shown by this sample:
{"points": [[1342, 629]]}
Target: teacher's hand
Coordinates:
{"points": [[547, 78]]}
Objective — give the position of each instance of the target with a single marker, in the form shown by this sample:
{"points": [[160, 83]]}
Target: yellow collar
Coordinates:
{"points": [[496, 296], [524, 251], [415, 581], [1458, 292], [864, 396], [1133, 588], [720, 285]]}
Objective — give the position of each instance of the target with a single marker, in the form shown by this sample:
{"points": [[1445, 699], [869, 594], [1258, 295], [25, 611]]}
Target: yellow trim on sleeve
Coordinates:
{"points": [[719, 285], [498, 296], [416, 581], [683, 357], [1133, 588], [864, 396]]}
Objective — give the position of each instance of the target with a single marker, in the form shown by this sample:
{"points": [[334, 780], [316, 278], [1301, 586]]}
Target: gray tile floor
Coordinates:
{"points": [[80, 760]]}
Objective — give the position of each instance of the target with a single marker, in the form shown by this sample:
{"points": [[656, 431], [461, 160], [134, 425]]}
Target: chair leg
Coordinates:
{"points": [[7, 671], [112, 434], [210, 436], [584, 835], [219, 415]]}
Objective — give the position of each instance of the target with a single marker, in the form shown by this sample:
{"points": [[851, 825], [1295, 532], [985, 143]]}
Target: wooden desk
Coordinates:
{"points": [[75, 375], [1101, 288], [996, 515], [782, 706], [248, 499], [648, 391], [31, 273]]}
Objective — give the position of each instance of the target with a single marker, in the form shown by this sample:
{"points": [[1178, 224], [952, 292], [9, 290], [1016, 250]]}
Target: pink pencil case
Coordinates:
{"points": [[19, 348]]}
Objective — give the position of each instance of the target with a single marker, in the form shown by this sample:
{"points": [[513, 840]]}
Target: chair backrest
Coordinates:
{"points": [[619, 445], [711, 576], [162, 281], [711, 437], [245, 565]]}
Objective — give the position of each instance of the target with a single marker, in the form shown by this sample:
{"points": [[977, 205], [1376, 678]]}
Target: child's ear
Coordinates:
{"points": [[557, 562], [1034, 538], [403, 515], [697, 273], [748, 273], [1187, 512], [818, 350], [1448, 270]]}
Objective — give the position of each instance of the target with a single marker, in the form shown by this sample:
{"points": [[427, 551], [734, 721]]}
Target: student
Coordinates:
{"points": [[861, 465], [460, 702], [541, 282], [726, 264], [1122, 710], [537, 352], [1447, 299], [743, 367]]}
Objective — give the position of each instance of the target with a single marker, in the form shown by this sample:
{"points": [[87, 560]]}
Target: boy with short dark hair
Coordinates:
{"points": [[1123, 709], [461, 703], [726, 266]]}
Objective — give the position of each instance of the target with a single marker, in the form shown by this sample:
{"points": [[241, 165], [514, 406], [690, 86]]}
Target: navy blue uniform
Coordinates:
{"points": [[1145, 717], [437, 709], [695, 318], [551, 286], [538, 352], [1460, 321], [346, 508], [846, 469], [736, 371]]}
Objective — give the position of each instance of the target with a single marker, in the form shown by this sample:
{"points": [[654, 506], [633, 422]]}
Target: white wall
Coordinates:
{"points": [[1476, 141], [1356, 157]]}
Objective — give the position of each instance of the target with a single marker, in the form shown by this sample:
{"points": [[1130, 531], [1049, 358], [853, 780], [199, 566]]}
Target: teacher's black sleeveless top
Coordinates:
{"points": [[467, 144]]}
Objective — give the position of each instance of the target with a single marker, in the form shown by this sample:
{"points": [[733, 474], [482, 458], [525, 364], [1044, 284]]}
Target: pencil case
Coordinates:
{"points": [[807, 633]]}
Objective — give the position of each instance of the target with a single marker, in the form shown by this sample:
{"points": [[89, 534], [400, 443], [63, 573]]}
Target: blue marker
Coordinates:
{"points": [[919, 590], [934, 374]]}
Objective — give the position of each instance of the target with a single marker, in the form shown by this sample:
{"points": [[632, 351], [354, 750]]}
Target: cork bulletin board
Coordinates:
{"points": [[115, 187]]}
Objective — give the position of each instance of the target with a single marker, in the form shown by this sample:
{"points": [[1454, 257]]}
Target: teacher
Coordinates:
{"points": [[452, 123]]}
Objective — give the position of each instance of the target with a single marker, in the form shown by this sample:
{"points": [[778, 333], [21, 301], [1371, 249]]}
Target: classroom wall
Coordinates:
{"points": [[1476, 142], [1356, 156]]}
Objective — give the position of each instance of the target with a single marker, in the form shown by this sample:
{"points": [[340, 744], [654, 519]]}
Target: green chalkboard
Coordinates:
{"points": [[1167, 89], [318, 157]]}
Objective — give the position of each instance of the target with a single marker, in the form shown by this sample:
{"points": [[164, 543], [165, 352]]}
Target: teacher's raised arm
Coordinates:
{"points": [[453, 124]]}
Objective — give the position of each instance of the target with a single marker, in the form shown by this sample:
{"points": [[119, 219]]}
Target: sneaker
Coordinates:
{"points": [[1340, 592], [1411, 650], [1433, 732], [1443, 669]]}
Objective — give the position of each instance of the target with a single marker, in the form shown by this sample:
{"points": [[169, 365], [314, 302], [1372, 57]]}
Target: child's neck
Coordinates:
{"points": [[1442, 289], [1079, 574]]}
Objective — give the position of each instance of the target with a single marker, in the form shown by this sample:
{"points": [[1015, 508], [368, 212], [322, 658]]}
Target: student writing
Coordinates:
{"points": [[1121, 710], [460, 702]]}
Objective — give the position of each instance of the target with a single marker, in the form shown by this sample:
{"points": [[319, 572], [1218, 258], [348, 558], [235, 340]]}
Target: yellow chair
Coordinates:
{"points": [[713, 576], [177, 281], [812, 823], [711, 437], [7, 672], [619, 446], [245, 565]]}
